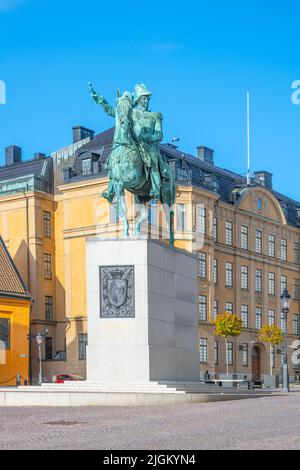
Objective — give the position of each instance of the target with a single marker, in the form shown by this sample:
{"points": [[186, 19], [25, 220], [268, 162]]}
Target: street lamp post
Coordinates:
{"points": [[285, 300], [39, 339]]}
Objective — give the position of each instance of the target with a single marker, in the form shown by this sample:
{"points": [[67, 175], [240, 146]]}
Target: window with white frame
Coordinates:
{"points": [[296, 289], [201, 220], [272, 283], [230, 353], [283, 249], [271, 317], [229, 274], [258, 241], [203, 350], [215, 272], [244, 237], [282, 321], [258, 318], [229, 307], [181, 219], [244, 315], [152, 213], [296, 324], [272, 245], [273, 356], [215, 229], [216, 309], [244, 277], [202, 265], [216, 352], [202, 307], [296, 252], [228, 233], [245, 355], [283, 283], [258, 280]]}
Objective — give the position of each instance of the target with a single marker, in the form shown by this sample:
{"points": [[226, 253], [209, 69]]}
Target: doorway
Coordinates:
{"points": [[256, 363]]}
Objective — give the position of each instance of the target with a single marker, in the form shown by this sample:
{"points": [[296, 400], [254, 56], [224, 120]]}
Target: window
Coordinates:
{"points": [[202, 265], [258, 318], [47, 266], [49, 307], [86, 166], [296, 289], [48, 348], [201, 220], [152, 213], [283, 283], [230, 353], [272, 283], [203, 350], [244, 316], [258, 241], [296, 252], [47, 224], [282, 322], [215, 271], [228, 233], [229, 307], [114, 216], [273, 356], [215, 229], [216, 352], [283, 249], [82, 343], [202, 308], [244, 277], [259, 203], [244, 237], [271, 317], [272, 245], [216, 308], [180, 217], [5, 332], [296, 324], [245, 355], [228, 274], [258, 280]]}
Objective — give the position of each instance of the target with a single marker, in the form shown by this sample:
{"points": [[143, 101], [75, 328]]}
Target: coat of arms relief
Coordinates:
{"points": [[117, 292]]}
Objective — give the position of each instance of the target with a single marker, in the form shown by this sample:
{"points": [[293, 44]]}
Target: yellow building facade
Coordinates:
{"points": [[15, 305], [248, 250]]}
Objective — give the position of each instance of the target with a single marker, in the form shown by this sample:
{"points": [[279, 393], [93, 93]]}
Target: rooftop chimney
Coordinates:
{"points": [[205, 154], [264, 178], [80, 133], [13, 155]]}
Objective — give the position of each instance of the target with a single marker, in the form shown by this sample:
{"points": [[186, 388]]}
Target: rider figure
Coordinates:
{"points": [[147, 131]]}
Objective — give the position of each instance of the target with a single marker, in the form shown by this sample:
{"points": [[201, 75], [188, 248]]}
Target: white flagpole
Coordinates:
{"points": [[248, 138]]}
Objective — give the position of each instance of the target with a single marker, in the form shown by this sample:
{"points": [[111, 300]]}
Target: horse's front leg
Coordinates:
{"points": [[123, 211], [141, 206]]}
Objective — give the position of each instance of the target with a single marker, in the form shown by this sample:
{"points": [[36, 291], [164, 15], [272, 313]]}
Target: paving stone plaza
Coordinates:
{"points": [[264, 423]]}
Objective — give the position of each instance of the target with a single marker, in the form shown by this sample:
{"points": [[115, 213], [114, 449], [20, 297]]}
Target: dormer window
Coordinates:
{"points": [[86, 166], [259, 203]]}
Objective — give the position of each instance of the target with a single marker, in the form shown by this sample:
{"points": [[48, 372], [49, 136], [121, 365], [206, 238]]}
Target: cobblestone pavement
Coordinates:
{"points": [[264, 423]]}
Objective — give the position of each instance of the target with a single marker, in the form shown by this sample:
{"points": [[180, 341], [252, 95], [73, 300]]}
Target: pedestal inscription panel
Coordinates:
{"points": [[117, 292]]}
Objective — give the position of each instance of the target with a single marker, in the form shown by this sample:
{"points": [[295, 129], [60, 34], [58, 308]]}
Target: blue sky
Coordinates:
{"points": [[199, 59]]}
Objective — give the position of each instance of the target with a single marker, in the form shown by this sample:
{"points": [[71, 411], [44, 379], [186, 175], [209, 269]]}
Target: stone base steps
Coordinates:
{"points": [[127, 387]]}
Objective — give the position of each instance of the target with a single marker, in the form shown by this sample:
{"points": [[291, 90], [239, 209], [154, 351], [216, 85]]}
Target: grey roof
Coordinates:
{"points": [[29, 174], [188, 169]]}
